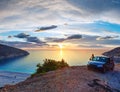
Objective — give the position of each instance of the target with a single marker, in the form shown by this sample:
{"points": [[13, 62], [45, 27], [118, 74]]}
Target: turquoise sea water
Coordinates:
{"points": [[28, 63]]}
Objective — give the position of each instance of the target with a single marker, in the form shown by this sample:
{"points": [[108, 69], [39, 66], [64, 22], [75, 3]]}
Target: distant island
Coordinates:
{"points": [[7, 52]]}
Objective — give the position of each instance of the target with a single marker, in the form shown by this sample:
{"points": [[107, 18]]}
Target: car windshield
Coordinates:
{"points": [[100, 59]]}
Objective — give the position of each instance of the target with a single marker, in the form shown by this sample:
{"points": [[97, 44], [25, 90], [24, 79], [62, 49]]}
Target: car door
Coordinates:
{"points": [[111, 64], [108, 64]]}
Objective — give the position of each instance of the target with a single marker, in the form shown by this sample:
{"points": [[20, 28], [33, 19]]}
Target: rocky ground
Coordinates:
{"points": [[72, 79]]}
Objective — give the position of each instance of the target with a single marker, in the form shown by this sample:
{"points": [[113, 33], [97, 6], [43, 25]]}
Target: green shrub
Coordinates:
{"points": [[50, 65]]}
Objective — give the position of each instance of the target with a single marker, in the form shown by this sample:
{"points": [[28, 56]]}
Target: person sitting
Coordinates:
{"points": [[92, 56]]}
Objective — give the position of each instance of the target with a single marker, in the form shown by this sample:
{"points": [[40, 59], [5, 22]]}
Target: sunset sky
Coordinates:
{"points": [[60, 23]]}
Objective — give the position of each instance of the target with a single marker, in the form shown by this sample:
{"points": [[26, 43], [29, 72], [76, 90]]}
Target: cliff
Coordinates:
{"points": [[11, 52], [113, 52], [71, 79]]}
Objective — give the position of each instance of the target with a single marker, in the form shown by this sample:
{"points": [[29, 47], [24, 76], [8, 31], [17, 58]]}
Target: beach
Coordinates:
{"points": [[11, 78]]}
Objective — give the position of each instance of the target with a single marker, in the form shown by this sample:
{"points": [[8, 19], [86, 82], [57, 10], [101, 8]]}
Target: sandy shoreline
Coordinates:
{"points": [[11, 78]]}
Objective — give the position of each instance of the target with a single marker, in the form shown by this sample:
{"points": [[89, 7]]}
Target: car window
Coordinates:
{"points": [[101, 59]]}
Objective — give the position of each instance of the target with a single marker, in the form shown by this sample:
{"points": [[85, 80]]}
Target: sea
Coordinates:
{"points": [[27, 64]]}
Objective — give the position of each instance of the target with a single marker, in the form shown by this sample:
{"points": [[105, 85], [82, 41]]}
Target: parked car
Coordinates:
{"points": [[101, 62]]}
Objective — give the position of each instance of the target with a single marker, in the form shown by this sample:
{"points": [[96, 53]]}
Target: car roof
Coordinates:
{"points": [[102, 56]]}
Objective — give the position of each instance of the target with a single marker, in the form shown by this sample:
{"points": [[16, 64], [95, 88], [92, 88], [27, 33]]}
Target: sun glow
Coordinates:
{"points": [[60, 46], [61, 49]]}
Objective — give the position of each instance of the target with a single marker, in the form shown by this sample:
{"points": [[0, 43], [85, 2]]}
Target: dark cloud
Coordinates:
{"points": [[34, 39], [23, 44], [90, 46], [46, 28], [107, 38], [18, 44], [29, 38], [72, 37], [9, 36], [77, 36], [88, 41], [92, 41], [22, 35], [49, 39]]}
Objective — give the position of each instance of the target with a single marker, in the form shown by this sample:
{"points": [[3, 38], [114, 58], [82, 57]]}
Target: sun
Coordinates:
{"points": [[60, 46]]}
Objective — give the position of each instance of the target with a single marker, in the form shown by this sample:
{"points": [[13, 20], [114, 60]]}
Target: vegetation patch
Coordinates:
{"points": [[50, 65]]}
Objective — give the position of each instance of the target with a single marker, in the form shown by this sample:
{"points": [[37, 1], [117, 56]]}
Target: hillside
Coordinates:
{"points": [[11, 52], [113, 52], [71, 79]]}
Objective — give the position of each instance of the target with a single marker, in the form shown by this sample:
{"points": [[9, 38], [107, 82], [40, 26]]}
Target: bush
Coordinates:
{"points": [[50, 65]]}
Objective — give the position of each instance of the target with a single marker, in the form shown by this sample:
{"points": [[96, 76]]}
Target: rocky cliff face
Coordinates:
{"points": [[11, 52], [113, 52]]}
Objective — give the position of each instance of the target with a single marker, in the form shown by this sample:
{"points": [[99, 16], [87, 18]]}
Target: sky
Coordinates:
{"points": [[55, 23]]}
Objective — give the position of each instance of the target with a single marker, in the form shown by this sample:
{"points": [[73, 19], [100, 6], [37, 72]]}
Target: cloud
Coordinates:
{"points": [[88, 41], [19, 44], [44, 12], [92, 41], [34, 39], [22, 35], [91, 46], [30, 39], [49, 39], [46, 28], [93, 10], [107, 38], [91, 18], [98, 6], [53, 12], [72, 37]]}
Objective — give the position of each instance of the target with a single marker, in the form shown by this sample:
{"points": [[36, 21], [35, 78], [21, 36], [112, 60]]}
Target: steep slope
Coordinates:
{"points": [[11, 52]]}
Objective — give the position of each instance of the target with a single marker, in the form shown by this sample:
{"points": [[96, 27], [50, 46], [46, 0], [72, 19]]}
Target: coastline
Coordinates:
{"points": [[11, 78]]}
